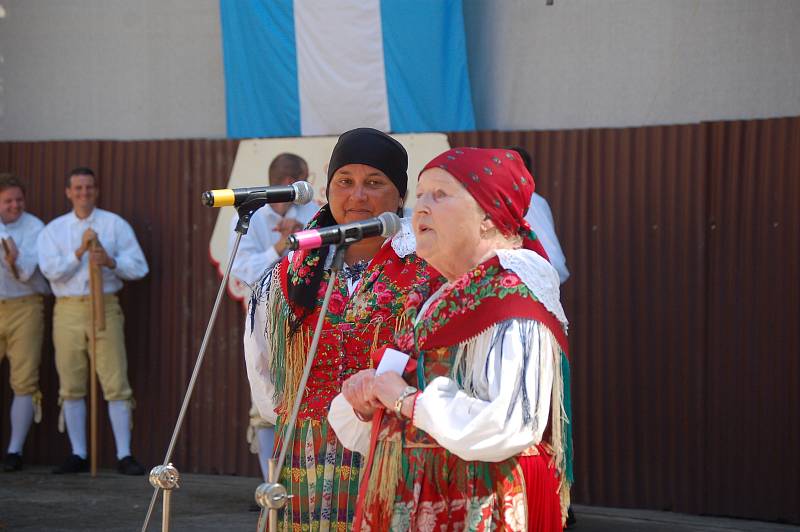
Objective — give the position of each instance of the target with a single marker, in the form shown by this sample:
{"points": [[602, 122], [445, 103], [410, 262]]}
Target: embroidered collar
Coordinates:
{"points": [[356, 271]]}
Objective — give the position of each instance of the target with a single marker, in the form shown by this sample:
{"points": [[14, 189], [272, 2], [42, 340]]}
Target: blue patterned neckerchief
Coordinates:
{"points": [[356, 271]]}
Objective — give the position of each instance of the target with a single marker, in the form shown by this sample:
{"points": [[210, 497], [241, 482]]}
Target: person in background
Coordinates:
{"points": [[21, 312], [367, 176], [540, 218], [64, 256], [259, 250]]}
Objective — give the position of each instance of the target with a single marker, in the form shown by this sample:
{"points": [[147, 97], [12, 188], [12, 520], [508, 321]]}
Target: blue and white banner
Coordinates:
{"points": [[321, 67]]}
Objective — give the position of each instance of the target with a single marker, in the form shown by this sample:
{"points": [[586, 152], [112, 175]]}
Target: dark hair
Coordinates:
{"points": [[526, 157], [528, 162], [287, 163], [81, 170], [8, 180], [303, 295]]}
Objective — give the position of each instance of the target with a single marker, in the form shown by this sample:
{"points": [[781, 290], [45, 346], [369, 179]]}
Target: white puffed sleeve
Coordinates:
{"points": [[488, 424], [351, 431], [257, 358]]}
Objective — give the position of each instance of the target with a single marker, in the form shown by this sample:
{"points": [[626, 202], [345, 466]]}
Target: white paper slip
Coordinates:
{"points": [[393, 360]]}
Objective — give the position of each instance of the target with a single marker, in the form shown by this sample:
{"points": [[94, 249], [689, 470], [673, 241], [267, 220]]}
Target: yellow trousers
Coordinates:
{"points": [[21, 331], [72, 322]]}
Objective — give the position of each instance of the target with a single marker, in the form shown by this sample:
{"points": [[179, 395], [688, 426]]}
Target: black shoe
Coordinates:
{"points": [[129, 466], [73, 464], [571, 521], [13, 462]]}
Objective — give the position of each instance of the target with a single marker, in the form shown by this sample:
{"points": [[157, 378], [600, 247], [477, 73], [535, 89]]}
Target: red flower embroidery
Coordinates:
{"points": [[381, 315], [462, 283], [336, 304], [297, 260], [385, 298], [321, 292], [507, 281], [413, 299], [380, 287]]}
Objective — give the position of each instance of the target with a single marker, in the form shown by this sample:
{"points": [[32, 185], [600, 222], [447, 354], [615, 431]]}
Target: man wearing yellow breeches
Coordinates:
{"points": [[21, 312], [65, 253]]}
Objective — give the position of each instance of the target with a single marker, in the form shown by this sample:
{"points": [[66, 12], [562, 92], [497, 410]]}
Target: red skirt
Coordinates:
{"points": [[541, 490]]}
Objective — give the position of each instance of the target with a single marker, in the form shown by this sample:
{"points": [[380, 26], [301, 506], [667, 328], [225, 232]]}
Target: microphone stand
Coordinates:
{"points": [[272, 495], [167, 476]]}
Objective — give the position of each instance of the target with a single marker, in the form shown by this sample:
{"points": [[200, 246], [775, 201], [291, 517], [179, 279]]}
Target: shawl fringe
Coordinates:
{"points": [[474, 352], [288, 352]]}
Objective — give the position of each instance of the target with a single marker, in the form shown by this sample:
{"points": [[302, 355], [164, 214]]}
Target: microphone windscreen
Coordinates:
{"points": [[391, 224], [304, 192]]}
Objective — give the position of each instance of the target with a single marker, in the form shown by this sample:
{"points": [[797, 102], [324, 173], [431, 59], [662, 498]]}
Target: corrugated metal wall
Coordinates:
{"points": [[684, 250]]}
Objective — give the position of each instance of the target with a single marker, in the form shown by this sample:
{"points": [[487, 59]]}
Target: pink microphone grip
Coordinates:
{"points": [[309, 239]]}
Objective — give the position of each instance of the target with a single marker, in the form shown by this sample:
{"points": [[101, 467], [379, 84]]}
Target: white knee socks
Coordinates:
{"points": [[120, 414], [21, 418], [75, 417]]}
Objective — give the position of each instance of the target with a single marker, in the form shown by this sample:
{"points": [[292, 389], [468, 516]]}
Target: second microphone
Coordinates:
{"points": [[385, 225]]}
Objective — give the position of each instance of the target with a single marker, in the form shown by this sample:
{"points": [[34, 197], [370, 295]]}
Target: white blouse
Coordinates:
{"points": [[486, 424]]}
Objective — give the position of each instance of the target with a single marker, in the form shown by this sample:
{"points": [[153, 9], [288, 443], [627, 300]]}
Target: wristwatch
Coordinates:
{"points": [[398, 405]]}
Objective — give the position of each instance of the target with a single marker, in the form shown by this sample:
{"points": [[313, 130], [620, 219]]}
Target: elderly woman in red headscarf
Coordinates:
{"points": [[474, 435]]}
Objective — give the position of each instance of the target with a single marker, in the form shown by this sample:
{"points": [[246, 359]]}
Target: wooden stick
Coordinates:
{"points": [[96, 287], [98, 324], [7, 250]]}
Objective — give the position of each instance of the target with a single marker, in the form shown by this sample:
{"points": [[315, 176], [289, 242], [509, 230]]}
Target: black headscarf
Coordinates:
{"points": [[374, 148], [363, 145]]}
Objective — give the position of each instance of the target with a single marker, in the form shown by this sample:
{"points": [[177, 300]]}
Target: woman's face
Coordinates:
{"points": [[358, 192], [447, 222]]}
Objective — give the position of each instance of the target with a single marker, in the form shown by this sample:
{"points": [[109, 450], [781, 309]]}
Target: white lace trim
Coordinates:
{"points": [[538, 275], [404, 243]]}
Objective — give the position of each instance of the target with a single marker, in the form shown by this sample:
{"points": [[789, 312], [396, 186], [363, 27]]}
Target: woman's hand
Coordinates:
{"points": [[388, 387], [358, 390]]}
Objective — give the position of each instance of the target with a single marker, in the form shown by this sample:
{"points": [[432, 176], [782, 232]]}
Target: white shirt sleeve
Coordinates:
{"points": [[540, 217], [480, 428], [257, 361], [256, 251], [28, 258], [351, 431], [131, 264], [55, 265]]}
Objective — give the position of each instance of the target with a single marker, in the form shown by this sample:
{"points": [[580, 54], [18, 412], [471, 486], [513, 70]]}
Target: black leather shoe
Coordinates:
{"points": [[13, 462], [73, 464], [129, 466], [571, 521]]}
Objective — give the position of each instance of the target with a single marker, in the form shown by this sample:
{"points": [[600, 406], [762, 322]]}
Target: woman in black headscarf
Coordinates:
{"points": [[366, 177]]}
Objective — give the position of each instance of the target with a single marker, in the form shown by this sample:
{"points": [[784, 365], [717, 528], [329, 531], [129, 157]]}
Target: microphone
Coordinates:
{"points": [[385, 225], [299, 192]]}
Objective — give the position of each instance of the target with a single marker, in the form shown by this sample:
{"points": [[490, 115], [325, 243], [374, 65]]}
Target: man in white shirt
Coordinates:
{"points": [[21, 312], [259, 250], [540, 218], [64, 257]]}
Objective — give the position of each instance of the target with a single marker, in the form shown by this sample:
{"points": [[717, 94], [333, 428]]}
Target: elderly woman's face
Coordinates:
{"points": [[446, 220], [358, 192]]}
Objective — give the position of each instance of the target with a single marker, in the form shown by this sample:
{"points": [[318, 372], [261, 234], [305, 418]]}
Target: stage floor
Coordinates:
{"points": [[34, 499]]}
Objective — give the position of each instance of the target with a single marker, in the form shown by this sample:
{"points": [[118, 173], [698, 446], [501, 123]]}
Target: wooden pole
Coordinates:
{"points": [[98, 324], [7, 251]]}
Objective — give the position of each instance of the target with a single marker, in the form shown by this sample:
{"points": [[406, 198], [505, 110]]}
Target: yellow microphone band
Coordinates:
{"points": [[223, 197]]}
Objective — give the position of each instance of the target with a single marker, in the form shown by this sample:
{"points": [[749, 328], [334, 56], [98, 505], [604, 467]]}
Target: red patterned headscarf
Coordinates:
{"points": [[499, 182]]}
